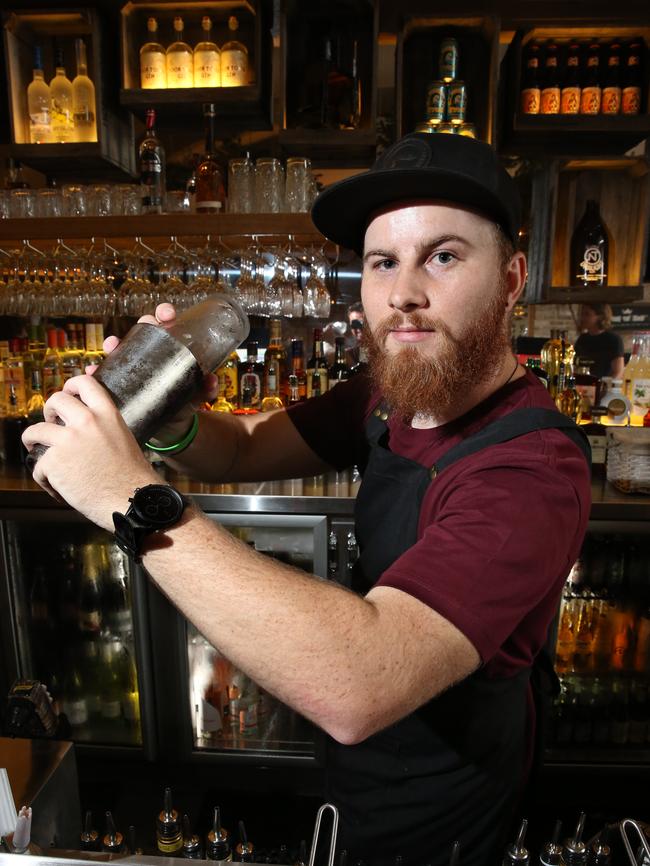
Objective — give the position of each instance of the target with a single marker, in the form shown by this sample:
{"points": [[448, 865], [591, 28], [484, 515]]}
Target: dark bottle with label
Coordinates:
{"points": [[631, 96], [340, 369], [570, 97], [590, 249], [152, 165], [169, 839], [530, 81], [611, 99], [251, 373], [217, 846], [590, 97], [551, 90]]}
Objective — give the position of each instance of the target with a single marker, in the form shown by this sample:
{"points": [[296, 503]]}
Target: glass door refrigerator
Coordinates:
{"points": [[208, 711], [74, 618]]}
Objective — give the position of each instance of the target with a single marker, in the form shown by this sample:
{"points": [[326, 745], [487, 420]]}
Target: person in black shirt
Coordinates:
{"points": [[597, 346]]}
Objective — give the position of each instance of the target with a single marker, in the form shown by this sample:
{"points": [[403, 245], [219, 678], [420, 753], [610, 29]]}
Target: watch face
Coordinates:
{"points": [[158, 505]]}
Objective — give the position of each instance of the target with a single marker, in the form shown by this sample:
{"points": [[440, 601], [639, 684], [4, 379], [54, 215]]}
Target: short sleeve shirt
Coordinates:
{"points": [[598, 351], [498, 531]]}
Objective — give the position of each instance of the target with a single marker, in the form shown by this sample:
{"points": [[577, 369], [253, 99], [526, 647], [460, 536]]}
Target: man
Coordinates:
{"points": [[597, 346], [420, 676]]}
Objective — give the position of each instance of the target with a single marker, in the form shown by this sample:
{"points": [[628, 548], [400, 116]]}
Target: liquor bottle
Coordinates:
{"points": [[169, 837], [117, 604], [180, 60], [299, 386], [271, 399], [92, 669], [244, 848], [89, 837], [36, 402], [551, 358], [90, 591], [317, 364], [52, 368], [61, 102], [153, 168], [354, 115], [570, 96], [586, 384], [207, 58], [530, 84], [517, 854], [36, 342], [92, 354], [84, 112], [590, 97], [222, 404], [153, 62], [639, 386], [217, 846], [74, 701], [210, 194], [113, 840], [551, 853], [314, 383], [567, 399], [574, 852], [38, 104], [550, 101], [535, 366], [15, 376], [228, 371], [590, 249], [130, 690], [191, 849], [340, 369], [275, 357], [631, 96], [611, 99], [628, 370], [71, 357], [234, 59], [112, 682], [250, 384]]}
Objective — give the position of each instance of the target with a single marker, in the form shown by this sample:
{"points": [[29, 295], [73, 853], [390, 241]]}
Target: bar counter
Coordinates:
{"points": [[18, 490]]}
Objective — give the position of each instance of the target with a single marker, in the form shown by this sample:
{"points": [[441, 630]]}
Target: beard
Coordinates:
{"points": [[412, 384]]}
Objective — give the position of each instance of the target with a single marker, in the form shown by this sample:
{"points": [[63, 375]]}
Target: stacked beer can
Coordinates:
{"points": [[446, 106]]}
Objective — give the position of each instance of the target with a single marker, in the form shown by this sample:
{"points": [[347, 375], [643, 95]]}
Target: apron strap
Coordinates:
{"points": [[510, 426]]}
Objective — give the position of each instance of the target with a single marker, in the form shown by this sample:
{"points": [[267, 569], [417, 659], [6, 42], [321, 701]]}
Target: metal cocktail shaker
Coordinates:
{"points": [[156, 370]]}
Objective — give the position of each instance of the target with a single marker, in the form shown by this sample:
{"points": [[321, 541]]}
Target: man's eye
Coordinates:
{"points": [[385, 264], [444, 257]]}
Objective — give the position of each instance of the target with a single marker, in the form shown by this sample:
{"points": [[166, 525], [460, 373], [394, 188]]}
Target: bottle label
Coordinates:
{"points": [[587, 393], [570, 102], [640, 396], [228, 383], [324, 381], [151, 165], [153, 70], [631, 100], [169, 847], [207, 69], [593, 266], [180, 74], [590, 100], [611, 100], [234, 68], [530, 100], [551, 100], [251, 382]]}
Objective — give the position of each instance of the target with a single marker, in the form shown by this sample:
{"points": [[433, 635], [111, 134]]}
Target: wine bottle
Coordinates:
{"points": [[590, 249], [152, 164], [340, 369]]}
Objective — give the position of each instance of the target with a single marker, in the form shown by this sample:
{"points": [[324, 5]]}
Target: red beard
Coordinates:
{"points": [[412, 384]]}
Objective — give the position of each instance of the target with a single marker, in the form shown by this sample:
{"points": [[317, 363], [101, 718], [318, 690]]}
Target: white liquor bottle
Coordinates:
{"points": [[38, 104], [61, 102], [234, 59], [180, 61], [153, 61], [83, 98], [207, 58]]}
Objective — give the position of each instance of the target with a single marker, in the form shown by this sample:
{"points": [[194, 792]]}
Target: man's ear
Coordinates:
{"points": [[516, 276]]}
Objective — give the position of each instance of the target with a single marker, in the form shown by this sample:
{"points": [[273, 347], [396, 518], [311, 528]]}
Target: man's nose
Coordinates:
{"points": [[408, 290]]}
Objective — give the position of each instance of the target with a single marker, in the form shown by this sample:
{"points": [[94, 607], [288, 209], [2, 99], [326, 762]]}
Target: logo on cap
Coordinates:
{"points": [[407, 153]]}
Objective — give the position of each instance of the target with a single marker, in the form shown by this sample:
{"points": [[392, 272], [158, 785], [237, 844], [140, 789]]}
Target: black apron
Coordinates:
{"points": [[452, 769]]}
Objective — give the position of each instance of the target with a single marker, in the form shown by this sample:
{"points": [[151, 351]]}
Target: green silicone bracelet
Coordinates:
{"points": [[189, 437]]}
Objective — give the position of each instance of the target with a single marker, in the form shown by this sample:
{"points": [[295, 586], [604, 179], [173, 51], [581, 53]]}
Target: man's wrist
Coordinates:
{"points": [[174, 432]]}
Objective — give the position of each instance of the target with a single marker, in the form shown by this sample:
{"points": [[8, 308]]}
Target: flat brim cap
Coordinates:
{"points": [[438, 166]]}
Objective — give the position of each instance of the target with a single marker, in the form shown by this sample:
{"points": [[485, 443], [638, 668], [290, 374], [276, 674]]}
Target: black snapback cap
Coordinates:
{"points": [[440, 166]]}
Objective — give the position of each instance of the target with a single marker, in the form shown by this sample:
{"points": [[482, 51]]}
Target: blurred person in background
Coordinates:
{"points": [[598, 347]]}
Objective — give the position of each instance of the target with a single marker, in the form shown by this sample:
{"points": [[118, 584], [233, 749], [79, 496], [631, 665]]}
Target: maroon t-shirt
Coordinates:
{"points": [[498, 530]]}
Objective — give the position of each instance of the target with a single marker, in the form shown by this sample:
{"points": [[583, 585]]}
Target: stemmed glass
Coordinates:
{"points": [[317, 300]]}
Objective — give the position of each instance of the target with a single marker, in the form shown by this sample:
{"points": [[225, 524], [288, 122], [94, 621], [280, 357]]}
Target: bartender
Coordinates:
{"points": [[420, 674]]}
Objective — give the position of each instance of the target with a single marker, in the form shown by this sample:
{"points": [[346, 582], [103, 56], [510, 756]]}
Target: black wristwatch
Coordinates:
{"points": [[153, 508]]}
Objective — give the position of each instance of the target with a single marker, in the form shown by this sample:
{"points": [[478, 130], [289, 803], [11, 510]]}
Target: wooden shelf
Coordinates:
{"points": [[345, 147], [237, 107], [159, 226], [588, 295], [81, 163]]}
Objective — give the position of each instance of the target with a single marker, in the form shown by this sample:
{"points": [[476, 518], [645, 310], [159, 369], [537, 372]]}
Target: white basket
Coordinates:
{"points": [[628, 458]]}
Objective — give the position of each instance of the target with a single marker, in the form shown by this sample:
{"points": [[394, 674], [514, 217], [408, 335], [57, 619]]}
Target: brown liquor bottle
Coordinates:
{"points": [[530, 83], [570, 97], [551, 90], [631, 97], [611, 101], [591, 91], [210, 196]]}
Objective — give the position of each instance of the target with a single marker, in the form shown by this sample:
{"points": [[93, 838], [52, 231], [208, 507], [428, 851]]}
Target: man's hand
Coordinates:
{"points": [[92, 462]]}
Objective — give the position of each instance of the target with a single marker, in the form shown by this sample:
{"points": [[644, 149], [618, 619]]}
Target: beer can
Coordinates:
{"points": [[457, 102], [436, 101], [466, 129], [448, 59], [446, 127]]}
